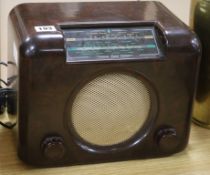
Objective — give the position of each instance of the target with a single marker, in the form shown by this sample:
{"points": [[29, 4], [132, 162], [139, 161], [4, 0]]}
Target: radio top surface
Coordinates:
{"points": [[101, 31]]}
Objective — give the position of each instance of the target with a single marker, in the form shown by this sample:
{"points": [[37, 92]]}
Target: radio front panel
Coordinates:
{"points": [[102, 84]]}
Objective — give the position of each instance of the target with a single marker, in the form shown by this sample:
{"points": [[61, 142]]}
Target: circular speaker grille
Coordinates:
{"points": [[110, 109]]}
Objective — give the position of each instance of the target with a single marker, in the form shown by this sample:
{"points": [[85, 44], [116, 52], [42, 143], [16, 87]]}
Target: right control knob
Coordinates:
{"points": [[167, 140]]}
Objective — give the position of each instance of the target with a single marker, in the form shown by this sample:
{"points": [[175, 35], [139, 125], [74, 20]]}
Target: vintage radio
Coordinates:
{"points": [[101, 82]]}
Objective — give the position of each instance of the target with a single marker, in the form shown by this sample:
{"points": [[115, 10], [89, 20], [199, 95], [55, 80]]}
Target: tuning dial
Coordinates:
{"points": [[167, 140], [53, 148]]}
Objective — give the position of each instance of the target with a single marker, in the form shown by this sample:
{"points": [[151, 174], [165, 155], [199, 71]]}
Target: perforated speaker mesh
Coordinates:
{"points": [[110, 109]]}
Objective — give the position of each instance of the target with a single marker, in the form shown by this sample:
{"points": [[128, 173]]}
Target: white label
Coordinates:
{"points": [[45, 28]]}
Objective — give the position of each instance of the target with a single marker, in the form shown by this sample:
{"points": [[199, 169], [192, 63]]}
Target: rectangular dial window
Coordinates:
{"points": [[111, 44]]}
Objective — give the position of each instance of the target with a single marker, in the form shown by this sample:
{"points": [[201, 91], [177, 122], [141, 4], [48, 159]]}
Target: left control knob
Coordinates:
{"points": [[53, 148]]}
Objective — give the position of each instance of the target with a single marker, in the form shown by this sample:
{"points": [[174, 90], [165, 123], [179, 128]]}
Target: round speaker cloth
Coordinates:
{"points": [[110, 109]]}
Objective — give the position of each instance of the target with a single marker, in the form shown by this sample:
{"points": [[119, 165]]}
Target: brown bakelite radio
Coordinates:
{"points": [[101, 82]]}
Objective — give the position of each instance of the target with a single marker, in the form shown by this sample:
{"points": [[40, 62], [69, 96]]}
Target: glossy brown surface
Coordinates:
{"points": [[47, 84]]}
